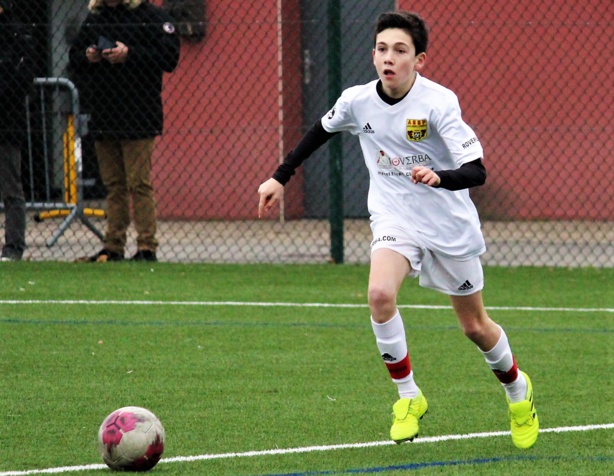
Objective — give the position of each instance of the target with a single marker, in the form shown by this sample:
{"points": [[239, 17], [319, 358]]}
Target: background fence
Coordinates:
{"points": [[534, 79]]}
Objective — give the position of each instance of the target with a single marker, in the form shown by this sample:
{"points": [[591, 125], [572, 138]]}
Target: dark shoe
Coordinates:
{"points": [[144, 255], [10, 253], [102, 256]]}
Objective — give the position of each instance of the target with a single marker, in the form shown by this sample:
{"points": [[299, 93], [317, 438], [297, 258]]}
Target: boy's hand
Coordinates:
{"points": [[270, 193], [425, 175]]}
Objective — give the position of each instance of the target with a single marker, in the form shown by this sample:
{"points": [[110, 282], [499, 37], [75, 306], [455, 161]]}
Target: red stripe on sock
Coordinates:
{"points": [[509, 376], [400, 369]]}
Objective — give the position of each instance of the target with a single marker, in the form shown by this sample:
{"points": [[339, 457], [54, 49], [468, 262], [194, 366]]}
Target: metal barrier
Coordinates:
{"points": [[72, 124]]}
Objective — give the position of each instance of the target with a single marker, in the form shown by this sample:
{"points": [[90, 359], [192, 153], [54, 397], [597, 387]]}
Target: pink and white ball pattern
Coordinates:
{"points": [[131, 439]]}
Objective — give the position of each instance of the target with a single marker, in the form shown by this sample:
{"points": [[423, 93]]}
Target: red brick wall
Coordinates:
{"points": [[224, 120], [535, 80]]}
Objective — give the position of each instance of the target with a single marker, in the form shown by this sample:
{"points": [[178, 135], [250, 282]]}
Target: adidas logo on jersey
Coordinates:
{"points": [[367, 129], [466, 286]]}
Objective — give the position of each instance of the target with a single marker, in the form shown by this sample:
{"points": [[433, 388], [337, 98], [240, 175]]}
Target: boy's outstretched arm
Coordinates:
{"points": [[271, 190]]}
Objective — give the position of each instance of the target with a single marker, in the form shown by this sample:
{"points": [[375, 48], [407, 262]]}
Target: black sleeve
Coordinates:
{"points": [[467, 175], [161, 46], [24, 72], [86, 36], [309, 143]]}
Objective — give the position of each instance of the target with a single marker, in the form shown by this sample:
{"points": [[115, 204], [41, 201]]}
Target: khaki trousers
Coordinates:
{"points": [[125, 169]]}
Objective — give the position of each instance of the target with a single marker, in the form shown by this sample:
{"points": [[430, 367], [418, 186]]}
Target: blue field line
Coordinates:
{"points": [[431, 464], [320, 325]]}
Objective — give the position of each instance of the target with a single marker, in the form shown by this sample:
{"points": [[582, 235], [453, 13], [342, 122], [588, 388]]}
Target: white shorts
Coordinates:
{"points": [[456, 277]]}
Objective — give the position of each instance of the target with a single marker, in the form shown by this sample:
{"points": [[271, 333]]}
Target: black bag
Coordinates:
{"points": [[189, 16]]}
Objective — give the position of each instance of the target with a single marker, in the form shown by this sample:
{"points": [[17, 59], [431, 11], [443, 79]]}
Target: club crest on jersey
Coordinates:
{"points": [[417, 129]]}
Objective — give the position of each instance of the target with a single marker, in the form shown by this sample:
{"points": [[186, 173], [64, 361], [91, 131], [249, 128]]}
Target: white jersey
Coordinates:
{"points": [[425, 128]]}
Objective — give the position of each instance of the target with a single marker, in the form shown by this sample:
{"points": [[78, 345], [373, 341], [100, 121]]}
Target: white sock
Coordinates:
{"points": [[517, 390], [392, 345], [407, 387], [501, 361]]}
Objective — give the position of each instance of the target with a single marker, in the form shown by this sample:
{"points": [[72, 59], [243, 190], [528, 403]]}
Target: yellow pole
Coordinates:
{"points": [[70, 165]]}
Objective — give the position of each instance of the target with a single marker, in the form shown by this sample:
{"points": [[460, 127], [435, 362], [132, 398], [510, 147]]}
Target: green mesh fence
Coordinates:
{"points": [[534, 80]]}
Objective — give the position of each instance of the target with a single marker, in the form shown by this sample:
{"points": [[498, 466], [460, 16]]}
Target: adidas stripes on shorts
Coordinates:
{"points": [[441, 273]]}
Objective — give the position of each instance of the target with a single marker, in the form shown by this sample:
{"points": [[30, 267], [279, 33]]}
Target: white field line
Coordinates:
{"points": [[290, 304], [311, 449]]}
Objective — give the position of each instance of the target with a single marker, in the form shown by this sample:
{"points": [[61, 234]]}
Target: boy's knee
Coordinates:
{"points": [[382, 301], [473, 332], [479, 331]]}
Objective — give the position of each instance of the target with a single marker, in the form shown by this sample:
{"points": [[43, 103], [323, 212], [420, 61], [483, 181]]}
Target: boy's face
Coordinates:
{"points": [[396, 62]]}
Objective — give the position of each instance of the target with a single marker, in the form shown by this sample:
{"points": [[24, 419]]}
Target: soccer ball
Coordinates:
{"points": [[131, 439]]}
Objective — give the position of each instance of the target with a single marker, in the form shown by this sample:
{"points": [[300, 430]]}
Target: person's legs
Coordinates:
{"points": [[14, 202], [474, 320], [388, 271], [492, 342], [137, 154], [113, 174]]}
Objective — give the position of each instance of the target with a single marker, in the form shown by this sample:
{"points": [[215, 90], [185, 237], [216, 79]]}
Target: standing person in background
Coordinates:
{"points": [[118, 59], [422, 159], [16, 79]]}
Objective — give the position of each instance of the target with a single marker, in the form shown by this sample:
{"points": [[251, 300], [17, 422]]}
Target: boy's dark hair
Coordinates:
{"points": [[409, 22]]}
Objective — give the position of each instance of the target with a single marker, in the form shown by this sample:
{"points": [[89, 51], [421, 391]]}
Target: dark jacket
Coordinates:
{"points": [[16, 76], [124, 100]]}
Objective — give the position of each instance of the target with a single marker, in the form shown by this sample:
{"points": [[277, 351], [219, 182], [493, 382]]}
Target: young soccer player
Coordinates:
{"points": [[422, 159]]}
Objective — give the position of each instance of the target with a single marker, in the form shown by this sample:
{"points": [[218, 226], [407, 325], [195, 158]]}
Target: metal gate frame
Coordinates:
{"points": [[76, 126]]}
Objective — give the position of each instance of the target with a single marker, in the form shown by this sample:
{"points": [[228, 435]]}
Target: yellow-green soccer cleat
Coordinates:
{"points": [[406, 413], [525, 424]]}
